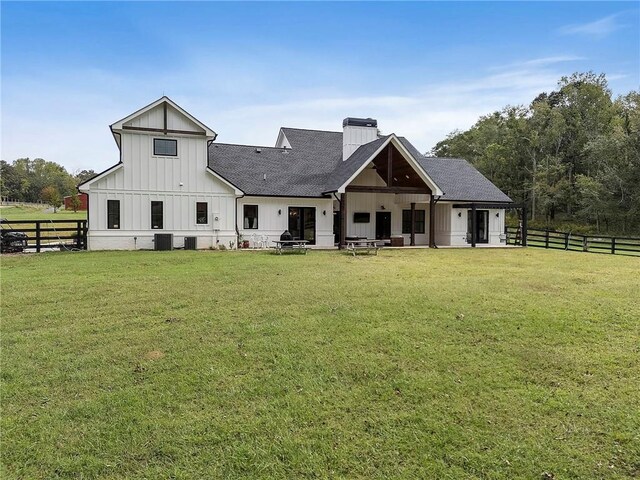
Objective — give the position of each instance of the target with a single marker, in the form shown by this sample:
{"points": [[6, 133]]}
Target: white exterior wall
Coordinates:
{"points": [[179, 182], [443, 224], [373, 202], [458, 233], [353, 137], [273, 224]]}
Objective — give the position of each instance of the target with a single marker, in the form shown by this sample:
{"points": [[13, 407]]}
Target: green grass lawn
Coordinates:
{"points": [[11, 212], [459, 363]]}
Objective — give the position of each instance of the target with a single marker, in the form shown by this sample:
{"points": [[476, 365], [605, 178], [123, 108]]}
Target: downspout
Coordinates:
{"points": [[236, 221], [432, 228]]}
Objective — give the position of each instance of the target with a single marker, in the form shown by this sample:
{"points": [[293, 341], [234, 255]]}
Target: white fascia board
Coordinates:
{"points": [[282, 141], [364, 165], [83, 187], [236, 190], [210, 134], [435, 190]]}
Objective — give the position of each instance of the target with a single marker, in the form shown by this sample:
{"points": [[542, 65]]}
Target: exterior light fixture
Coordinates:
{"points": [[497, 214], [381, 207], [324, 212], [279, 211], [459, 214]]}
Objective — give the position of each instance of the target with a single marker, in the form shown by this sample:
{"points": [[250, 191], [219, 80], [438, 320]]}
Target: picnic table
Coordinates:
{"points": [[362, 244], [291, 245]]}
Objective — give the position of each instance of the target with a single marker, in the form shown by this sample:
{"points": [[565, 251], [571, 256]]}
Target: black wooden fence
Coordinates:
{"points": [[49, 234], [572, 241]]}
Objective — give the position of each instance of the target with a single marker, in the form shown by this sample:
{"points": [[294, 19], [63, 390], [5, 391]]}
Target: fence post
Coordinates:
{"points": [[566, 240], [37, 236], [613, 245], [524, 225], [78, 237], [585, 244], [546, 238]]}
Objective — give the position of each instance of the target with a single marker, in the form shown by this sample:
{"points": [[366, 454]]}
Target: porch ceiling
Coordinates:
{"points": [[395, 171]]}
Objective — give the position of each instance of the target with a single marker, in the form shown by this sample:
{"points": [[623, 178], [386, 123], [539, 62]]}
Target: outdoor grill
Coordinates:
{"points": [[286, 235]]}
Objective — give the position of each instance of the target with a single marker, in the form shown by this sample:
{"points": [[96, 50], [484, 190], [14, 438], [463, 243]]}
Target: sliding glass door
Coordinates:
{"points": [[482, 225], [302, 223]]}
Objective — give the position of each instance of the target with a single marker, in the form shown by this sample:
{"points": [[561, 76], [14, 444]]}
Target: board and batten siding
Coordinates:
{"points": [[382, 202], [154, 118], [178, 181], [458, 228], [273, 224]]}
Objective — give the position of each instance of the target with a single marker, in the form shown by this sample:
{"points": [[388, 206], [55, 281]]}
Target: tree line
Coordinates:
{"points": [[571, 155], [37, 180]]}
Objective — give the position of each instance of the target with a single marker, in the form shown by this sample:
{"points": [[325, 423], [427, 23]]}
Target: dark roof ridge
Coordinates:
{"points": [[249, 146], [311, 130]]}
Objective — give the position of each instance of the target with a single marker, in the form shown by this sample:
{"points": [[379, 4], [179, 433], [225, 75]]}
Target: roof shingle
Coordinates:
{"points": [[313, 166]]}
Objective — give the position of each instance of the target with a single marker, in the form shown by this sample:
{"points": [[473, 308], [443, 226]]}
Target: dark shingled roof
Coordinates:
{"points": [[313, 166], [457, 178]]}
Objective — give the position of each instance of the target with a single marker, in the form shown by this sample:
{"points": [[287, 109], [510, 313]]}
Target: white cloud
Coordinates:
{"points": [[598, 28], [65, 117]]}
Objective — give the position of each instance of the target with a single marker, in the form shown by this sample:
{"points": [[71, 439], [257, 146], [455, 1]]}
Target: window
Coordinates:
{"points": [[361, 217], [165, 147], [113, 214], [156, 215], [251, 216], [420, 221], [202, 218]]}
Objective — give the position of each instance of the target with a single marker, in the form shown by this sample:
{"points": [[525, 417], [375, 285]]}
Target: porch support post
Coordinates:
{"points": [[413, 225], [343, 221], [474, 225], [389, 166], [432, 227]]}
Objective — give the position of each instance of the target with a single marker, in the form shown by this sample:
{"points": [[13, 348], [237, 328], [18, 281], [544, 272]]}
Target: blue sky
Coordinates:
{"points": [[422, 69]]}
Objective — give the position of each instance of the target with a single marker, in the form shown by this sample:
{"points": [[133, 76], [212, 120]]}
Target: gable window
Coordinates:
{"points": [[202, 217], [251, 216], [165, 147], [113, 214], [156, 215], [420, 221]]}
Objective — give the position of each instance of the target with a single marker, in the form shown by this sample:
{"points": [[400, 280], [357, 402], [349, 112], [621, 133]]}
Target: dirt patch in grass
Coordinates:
{"points": [[154, 355]]}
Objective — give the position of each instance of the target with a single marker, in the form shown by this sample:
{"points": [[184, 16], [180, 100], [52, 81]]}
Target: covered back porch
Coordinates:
{"points": [[389, 199]]}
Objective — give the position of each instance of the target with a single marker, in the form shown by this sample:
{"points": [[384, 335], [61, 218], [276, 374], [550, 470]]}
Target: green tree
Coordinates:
{"points": [[52, 196], [75, 203], [83, 175], [573, 153]]}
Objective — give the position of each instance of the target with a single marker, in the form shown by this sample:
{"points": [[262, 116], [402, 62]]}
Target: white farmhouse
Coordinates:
{"points": [[324, 187]]}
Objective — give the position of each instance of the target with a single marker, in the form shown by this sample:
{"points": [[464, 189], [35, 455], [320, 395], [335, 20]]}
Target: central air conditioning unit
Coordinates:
{"points": [[163, 241], [190, 243]]}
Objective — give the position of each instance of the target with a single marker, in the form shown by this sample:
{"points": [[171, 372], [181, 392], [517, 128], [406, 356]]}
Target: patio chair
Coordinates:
{"points": [[264, 241], [254, 240]]}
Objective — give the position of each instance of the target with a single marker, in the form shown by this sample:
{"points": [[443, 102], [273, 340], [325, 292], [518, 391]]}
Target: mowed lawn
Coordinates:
{"points": [[11, 212], [486, 363]]}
